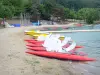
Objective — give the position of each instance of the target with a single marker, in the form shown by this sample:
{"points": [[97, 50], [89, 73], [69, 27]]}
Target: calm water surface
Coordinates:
{"points": [[91, 43]]}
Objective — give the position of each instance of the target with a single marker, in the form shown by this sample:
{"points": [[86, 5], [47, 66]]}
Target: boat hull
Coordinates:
{"points": [[63, 56]]}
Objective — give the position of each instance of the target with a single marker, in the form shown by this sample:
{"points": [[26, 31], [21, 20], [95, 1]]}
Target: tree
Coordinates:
{"points": [[45, 8], [45, 14], [18, 5], [66, 13], [72, 14], [59, 12], [10, 8], [28, 6], [65, 9], [6, 11], [88, 14]]}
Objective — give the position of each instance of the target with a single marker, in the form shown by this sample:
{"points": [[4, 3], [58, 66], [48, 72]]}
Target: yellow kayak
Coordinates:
{"points": [[33, 32], [37, 33], [36, 36]]}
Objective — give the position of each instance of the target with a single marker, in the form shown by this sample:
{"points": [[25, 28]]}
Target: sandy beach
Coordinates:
{"points": [[14, 60]]}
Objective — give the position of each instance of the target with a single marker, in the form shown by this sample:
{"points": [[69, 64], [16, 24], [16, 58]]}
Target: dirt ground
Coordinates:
{"points": [[14, 60]]}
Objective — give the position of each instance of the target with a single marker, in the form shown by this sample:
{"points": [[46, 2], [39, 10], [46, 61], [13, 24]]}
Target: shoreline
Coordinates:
{"points": [[16, 62], [64, 31]]}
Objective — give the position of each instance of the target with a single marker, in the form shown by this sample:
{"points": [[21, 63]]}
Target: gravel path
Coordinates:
{"points": [[14, 60]]}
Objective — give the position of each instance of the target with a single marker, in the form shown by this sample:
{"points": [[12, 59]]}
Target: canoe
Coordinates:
{"points": [[63, 56]]}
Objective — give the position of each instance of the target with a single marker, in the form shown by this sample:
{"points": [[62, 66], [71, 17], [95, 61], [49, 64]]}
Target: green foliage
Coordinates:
{"points": [[6, 11], [87, 10], [58, 11], [72, 14], [66, 13], [77, 4], [45, 13], [47, 9], [9, 8], [88, 14], [68, 9], [28, 6]]}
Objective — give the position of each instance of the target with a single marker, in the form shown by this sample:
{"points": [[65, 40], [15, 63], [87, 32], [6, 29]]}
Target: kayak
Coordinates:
{"points": [[40, 45], [31, 32], [35, 43], [63, 56], [34, 32], [37, 48], [30, 40], [36, 36]]}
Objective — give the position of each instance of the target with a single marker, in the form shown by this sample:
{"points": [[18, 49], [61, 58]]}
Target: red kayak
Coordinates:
{"points": [[37, 48], [33, 40], [30, 40], [35, 43], [40, 45], [63, 56], [40, 48]]}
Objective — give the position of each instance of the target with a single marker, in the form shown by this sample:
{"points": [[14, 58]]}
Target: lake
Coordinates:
{"points": [[91, 43]]}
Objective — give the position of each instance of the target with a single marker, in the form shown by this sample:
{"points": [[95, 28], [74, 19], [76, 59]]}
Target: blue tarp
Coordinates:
{"points": [[36, 23]]}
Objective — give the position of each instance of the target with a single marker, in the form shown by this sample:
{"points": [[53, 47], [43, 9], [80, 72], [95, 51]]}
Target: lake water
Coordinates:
{"points": [[91, 43]]}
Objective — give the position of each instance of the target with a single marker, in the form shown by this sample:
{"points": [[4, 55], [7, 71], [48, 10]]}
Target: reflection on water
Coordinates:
{"points": [[91, 43]]}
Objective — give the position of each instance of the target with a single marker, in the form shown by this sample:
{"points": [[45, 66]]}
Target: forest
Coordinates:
{"points": [[87, 10]]}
